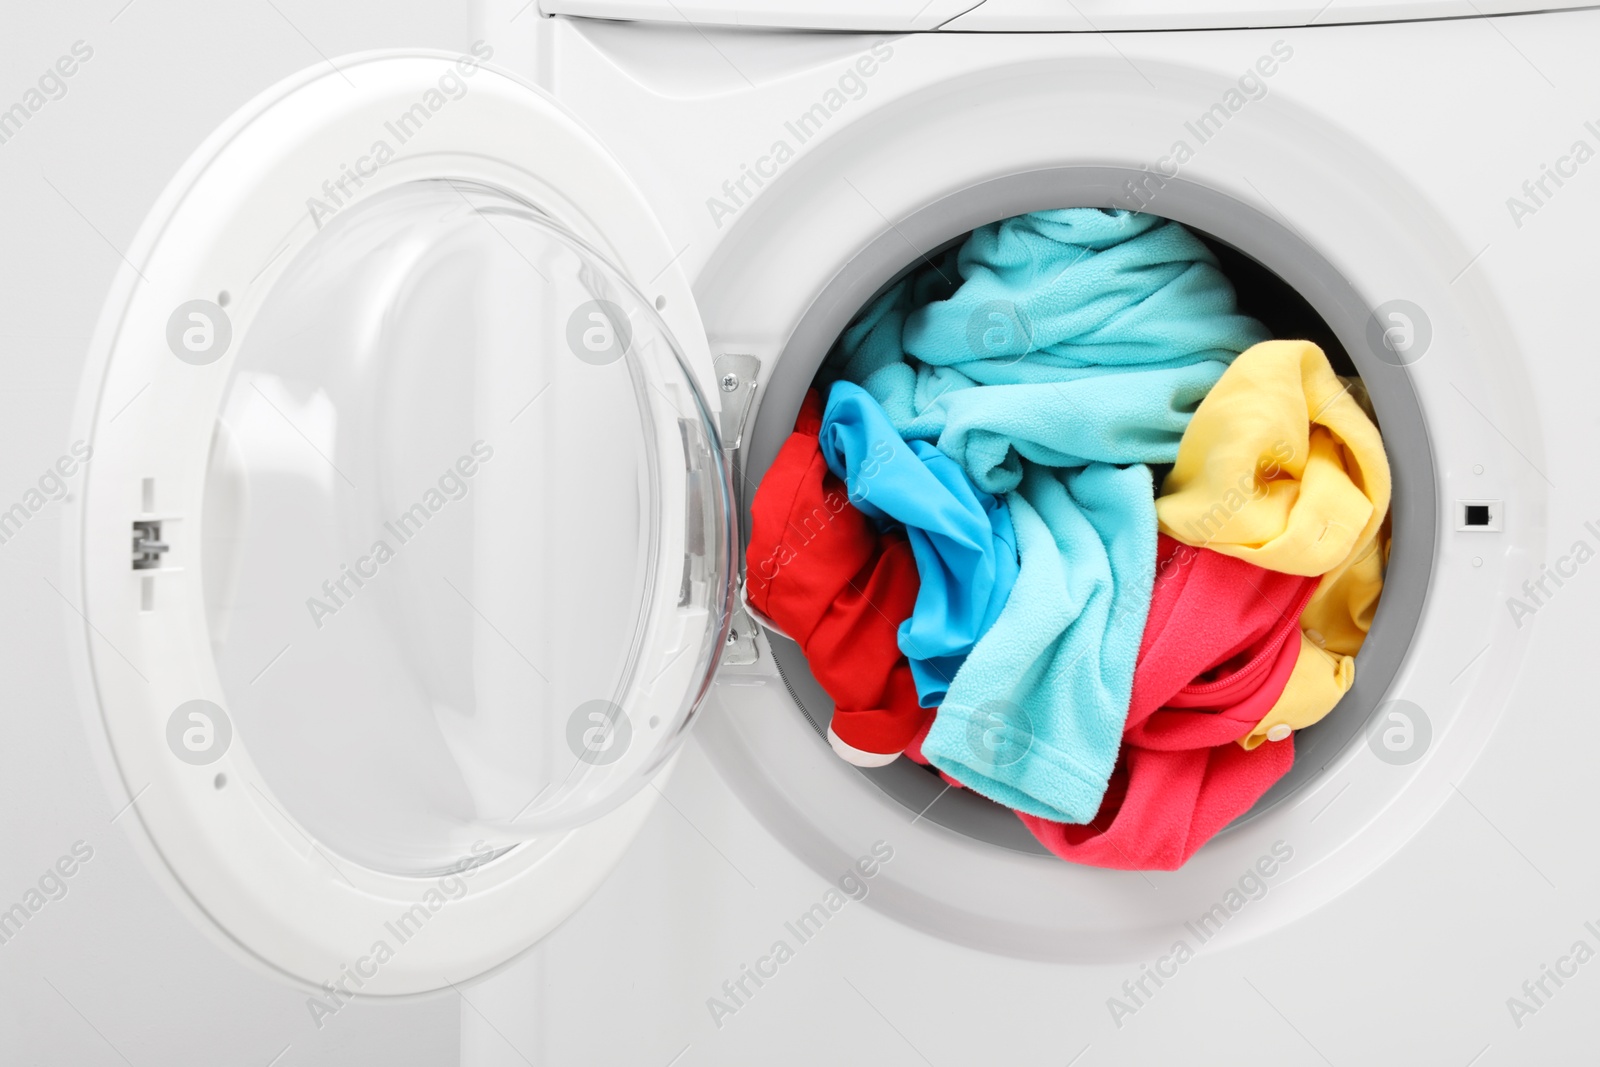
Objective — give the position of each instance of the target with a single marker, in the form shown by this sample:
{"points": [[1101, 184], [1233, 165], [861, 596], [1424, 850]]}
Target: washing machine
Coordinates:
{"points": [[384, 579]]}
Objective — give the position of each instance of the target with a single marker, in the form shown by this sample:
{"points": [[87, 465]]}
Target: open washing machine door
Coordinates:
{"points": [[403, 409]]}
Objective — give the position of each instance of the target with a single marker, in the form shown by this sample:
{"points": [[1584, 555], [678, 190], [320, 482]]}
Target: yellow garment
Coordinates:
{"points": [[1319, 679], [1281, 468], [1340, 611]]}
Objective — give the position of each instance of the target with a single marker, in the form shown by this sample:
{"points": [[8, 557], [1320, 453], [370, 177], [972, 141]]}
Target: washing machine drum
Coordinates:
{"points": [[431, 532]]}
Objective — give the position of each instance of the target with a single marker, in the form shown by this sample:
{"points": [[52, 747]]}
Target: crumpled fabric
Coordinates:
{"points": [[1094, 335], [1319, 681], [961, 537], [1219, 648], [1034, 718], [839, 586], [1282, 467], [1160, 807]]}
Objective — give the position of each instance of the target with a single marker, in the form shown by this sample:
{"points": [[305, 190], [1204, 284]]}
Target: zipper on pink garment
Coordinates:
{"points": [[1261, 661]]}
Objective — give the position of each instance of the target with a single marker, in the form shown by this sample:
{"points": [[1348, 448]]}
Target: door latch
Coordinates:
{"points": [[148, 548]]}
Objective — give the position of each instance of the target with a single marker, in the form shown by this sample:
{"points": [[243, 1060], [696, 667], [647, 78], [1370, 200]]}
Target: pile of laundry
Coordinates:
{"points": [[1063, 523]]}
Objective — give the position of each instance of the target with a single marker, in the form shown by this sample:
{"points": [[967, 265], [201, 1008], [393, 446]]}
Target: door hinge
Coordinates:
{"points": [[741, 648], [737, 375], [736, 379]]}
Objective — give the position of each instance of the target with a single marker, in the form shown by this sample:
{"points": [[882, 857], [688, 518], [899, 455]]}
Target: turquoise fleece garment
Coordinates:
{"points": [[1054, 357], [1041, 700], [961, 537], [1095, 333]]}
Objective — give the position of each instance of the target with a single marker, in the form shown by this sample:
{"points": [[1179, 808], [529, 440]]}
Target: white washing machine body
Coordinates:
{"points": [[1413, 894], [740, 191]]}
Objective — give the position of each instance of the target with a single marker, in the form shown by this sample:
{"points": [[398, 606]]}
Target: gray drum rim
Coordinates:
{"points": [[1215, 214]]}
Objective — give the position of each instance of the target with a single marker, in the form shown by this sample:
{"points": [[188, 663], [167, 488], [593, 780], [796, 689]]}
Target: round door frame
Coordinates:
{"points": [[1268, 241]]}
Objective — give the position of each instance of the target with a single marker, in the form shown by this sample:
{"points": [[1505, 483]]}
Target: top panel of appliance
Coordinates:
{"points": [[1000, 16]]}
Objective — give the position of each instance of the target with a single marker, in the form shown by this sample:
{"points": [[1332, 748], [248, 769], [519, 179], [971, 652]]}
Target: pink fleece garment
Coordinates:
{"points": [[1218, 648], [1162, 806], [1221, 640]]}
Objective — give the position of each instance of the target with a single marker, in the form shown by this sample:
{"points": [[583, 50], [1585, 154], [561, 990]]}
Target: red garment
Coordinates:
{"points": [[1219, 645], [824, 573]]}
